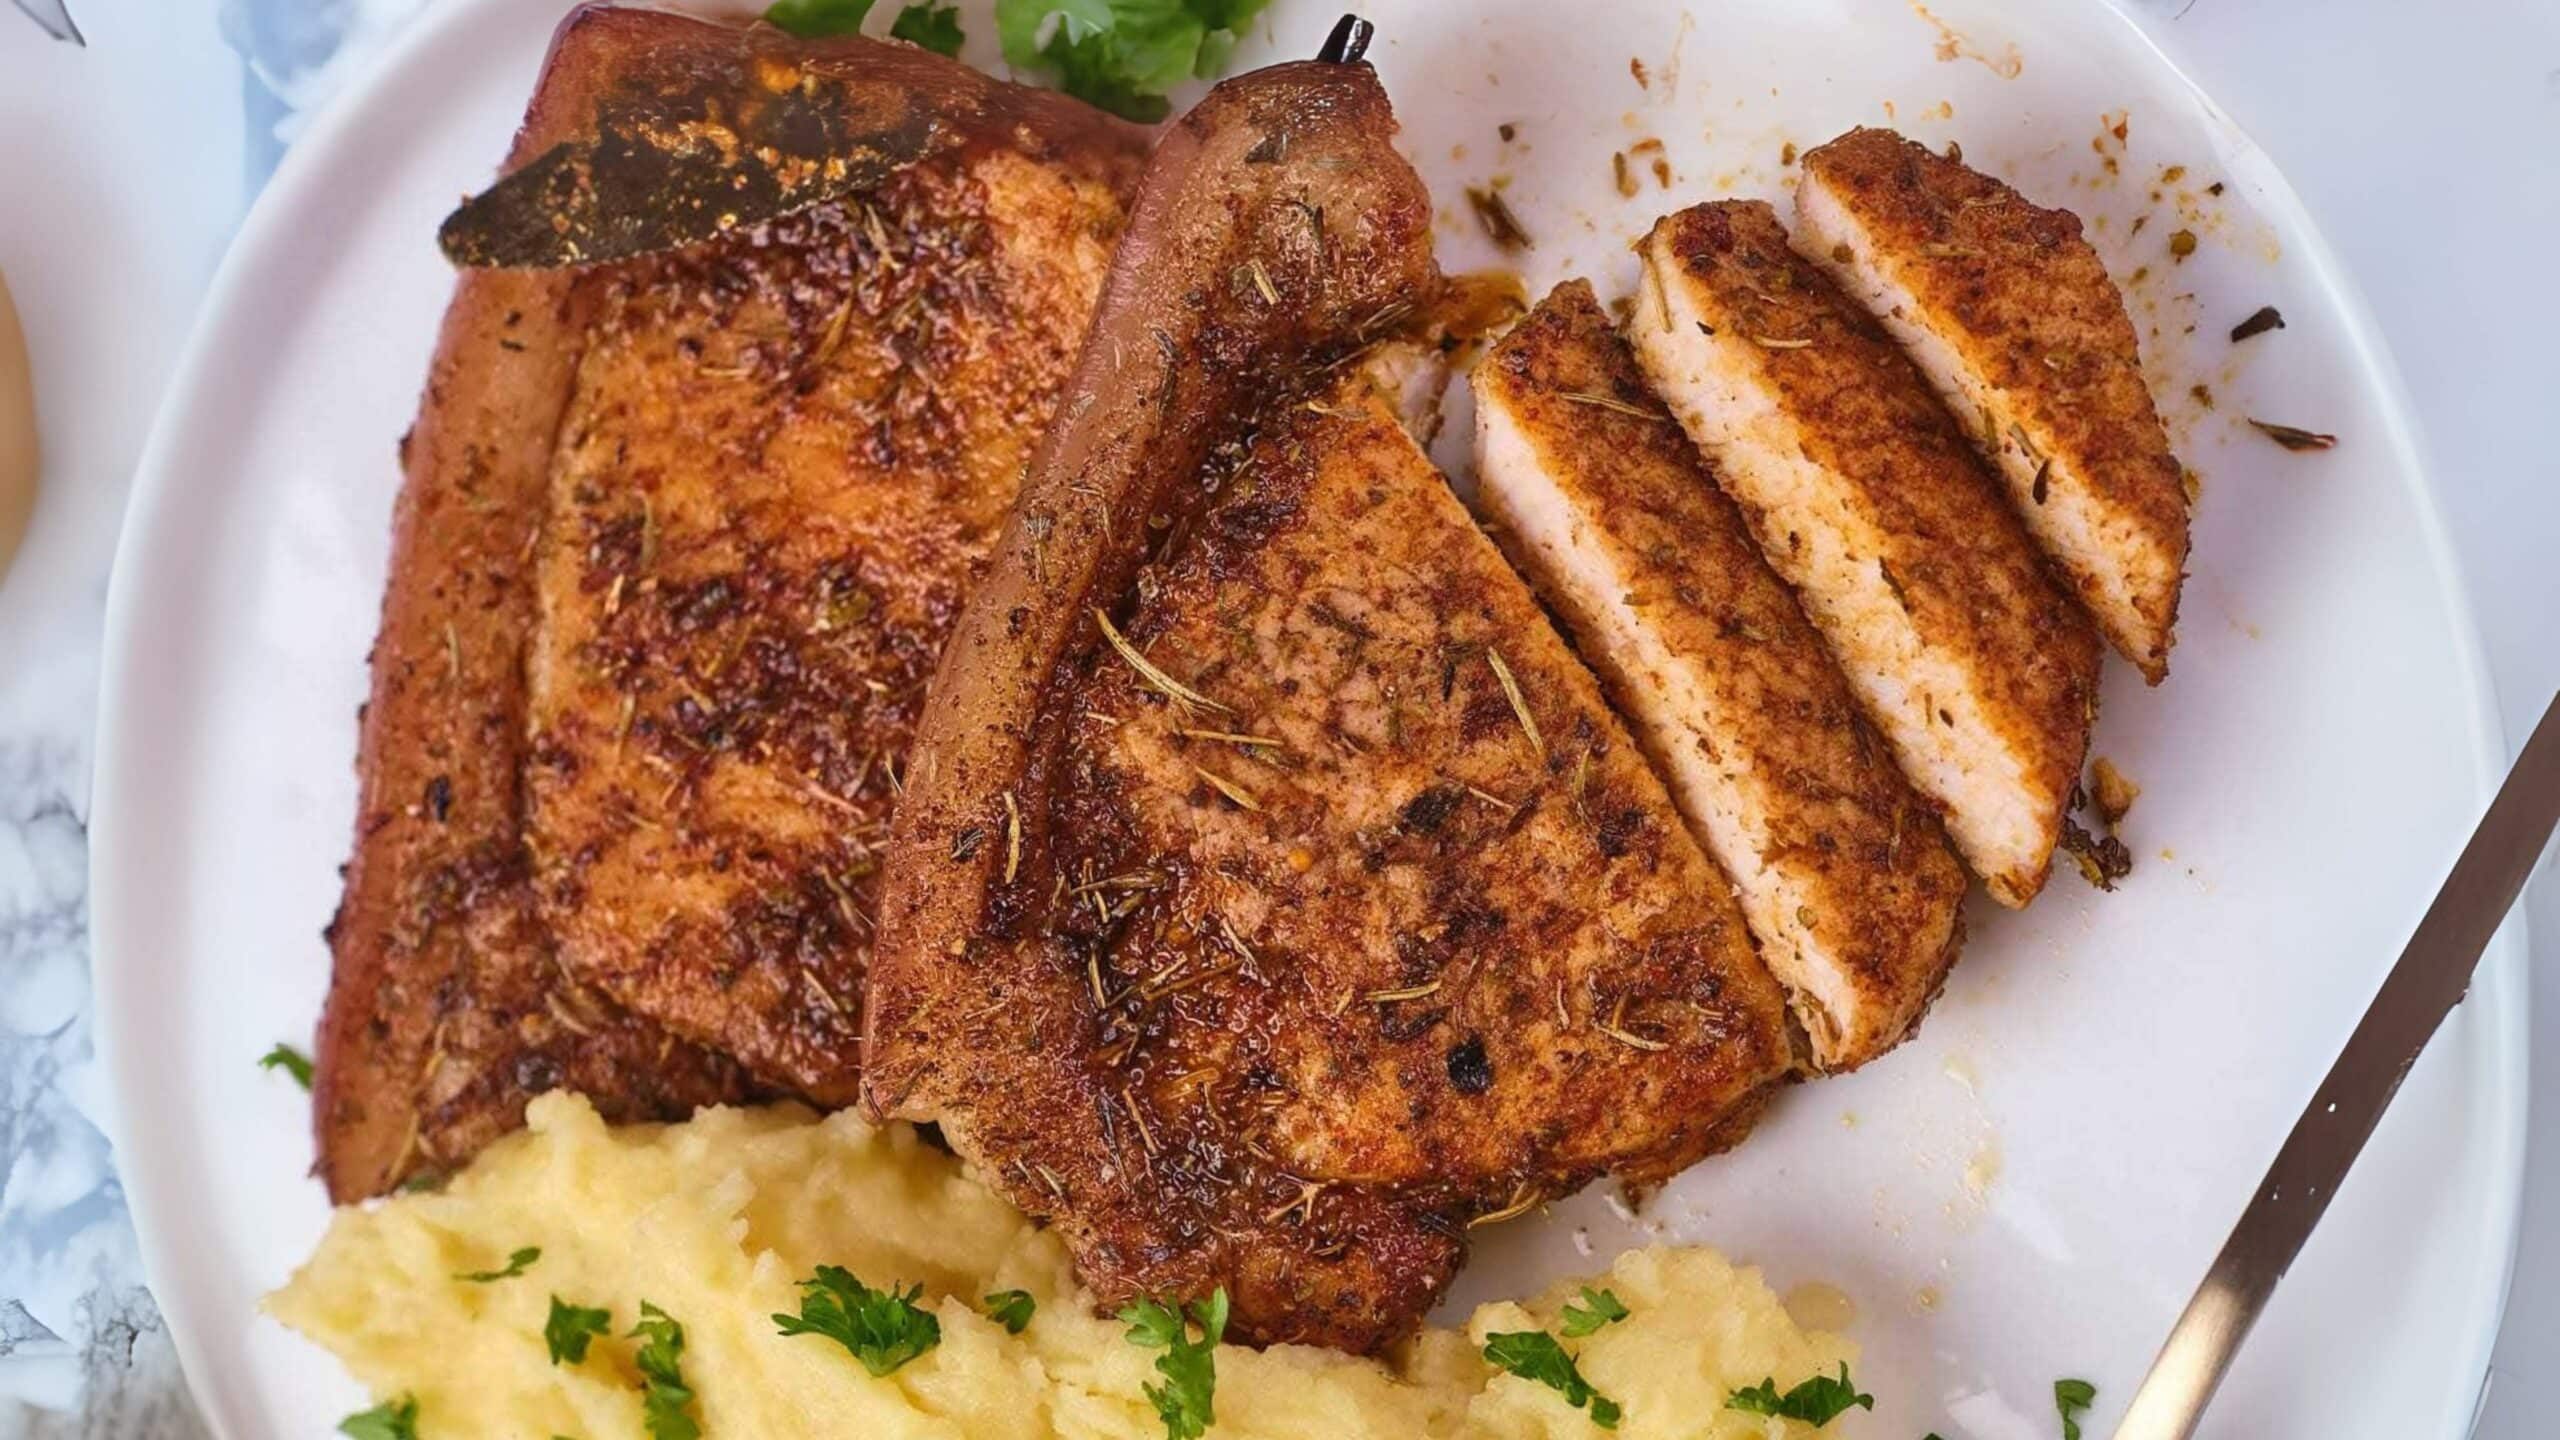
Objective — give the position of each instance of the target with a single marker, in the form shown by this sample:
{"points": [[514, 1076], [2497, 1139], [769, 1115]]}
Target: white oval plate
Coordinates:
{"points": [[2026, 1190]]}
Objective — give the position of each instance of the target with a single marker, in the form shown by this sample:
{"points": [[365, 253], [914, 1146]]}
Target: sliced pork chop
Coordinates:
{"points": [[2010, 314], [1274, 895], [1843, 873], [1865, 497]]}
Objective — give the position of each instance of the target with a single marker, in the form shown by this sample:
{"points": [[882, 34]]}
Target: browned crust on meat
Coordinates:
{"points": [[1960, 562], [1286, 1016], [1173, 368], [448, 1006], [1247, 1119], [787, 455], [1883, 888], [2039, 316], [440, 1022]]}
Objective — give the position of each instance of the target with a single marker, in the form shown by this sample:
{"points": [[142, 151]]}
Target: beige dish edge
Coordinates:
{"points": [[19, 453]]}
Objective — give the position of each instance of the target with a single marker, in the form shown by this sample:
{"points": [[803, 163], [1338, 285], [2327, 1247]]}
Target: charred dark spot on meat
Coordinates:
{"points": [[1470, 1073]]}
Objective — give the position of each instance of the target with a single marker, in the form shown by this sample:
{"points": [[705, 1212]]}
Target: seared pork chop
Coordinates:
{"points": [[1272, 902], [786, 454], [2011, 316], [1865, 497], [1843, 873], [652, 515]]}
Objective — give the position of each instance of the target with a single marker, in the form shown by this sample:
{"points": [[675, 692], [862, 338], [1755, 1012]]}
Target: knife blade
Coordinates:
{"points": [[55, 17], [738, 141], [2430, 978]]}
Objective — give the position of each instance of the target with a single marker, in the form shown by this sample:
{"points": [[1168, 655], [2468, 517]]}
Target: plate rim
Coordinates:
{"points": [[152, 1194]]}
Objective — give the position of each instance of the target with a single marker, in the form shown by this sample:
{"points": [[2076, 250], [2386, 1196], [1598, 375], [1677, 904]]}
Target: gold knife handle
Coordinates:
{"points": [[2430, 978]]}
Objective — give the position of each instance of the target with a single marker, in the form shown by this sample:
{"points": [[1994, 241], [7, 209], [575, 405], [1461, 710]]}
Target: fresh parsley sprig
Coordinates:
{"points": [[811, 18], [1818, 1401], [1537, 1356], [665, 1400], [935, 27], [1187, 1400], [390, 1420], [1122, 55], [517, 1263], [571, 1329], [1011, 1309], [1599, 1309], [883, 1329], [2070, 1398], [289, 1060]]}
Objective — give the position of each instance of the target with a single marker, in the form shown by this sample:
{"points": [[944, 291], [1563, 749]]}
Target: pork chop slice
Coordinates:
{"points": [[2011, 316], [1866, 498], [1274, 895], [1843, 873]]}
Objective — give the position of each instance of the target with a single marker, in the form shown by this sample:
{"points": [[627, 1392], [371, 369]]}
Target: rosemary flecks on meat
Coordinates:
{"points": [[1227, 737], [1610, 402], [1774, 342], [1519, 702], [1409, 992], [1131, 880], [1522, 1203], [1186, 982], [1629, 1037], [1244, 798], [1262, 281], [1170, 687], [1227, 928], [1308, 1190], [879, 237], [1012, 838], [1146, 1137]]}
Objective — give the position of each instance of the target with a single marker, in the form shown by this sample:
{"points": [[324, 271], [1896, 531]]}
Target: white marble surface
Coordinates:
{"points": [[2420, 138], [111, 219]]}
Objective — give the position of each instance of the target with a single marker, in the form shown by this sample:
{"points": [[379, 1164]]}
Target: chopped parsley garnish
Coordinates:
{"points": [[289, 1060], [1817, 1401], [390, 1420], [810, 18], [517, 1263], [570, 1328], [1122, 55], [664, 1396], [1598, 1308], [1535, 1355], [2070, 1397], [884, 1329], [935, 27], [1011, 1309], [1187, 1400]]}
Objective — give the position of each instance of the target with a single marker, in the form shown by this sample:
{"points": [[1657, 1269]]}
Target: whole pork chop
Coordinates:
{"points": [[676, 549]]}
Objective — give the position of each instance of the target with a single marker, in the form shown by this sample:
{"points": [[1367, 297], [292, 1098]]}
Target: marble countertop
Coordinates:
{"points": [[2417, 135]]}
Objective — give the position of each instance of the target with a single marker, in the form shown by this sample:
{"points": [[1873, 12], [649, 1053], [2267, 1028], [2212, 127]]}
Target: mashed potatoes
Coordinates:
{"points": [[715, 1222]]}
